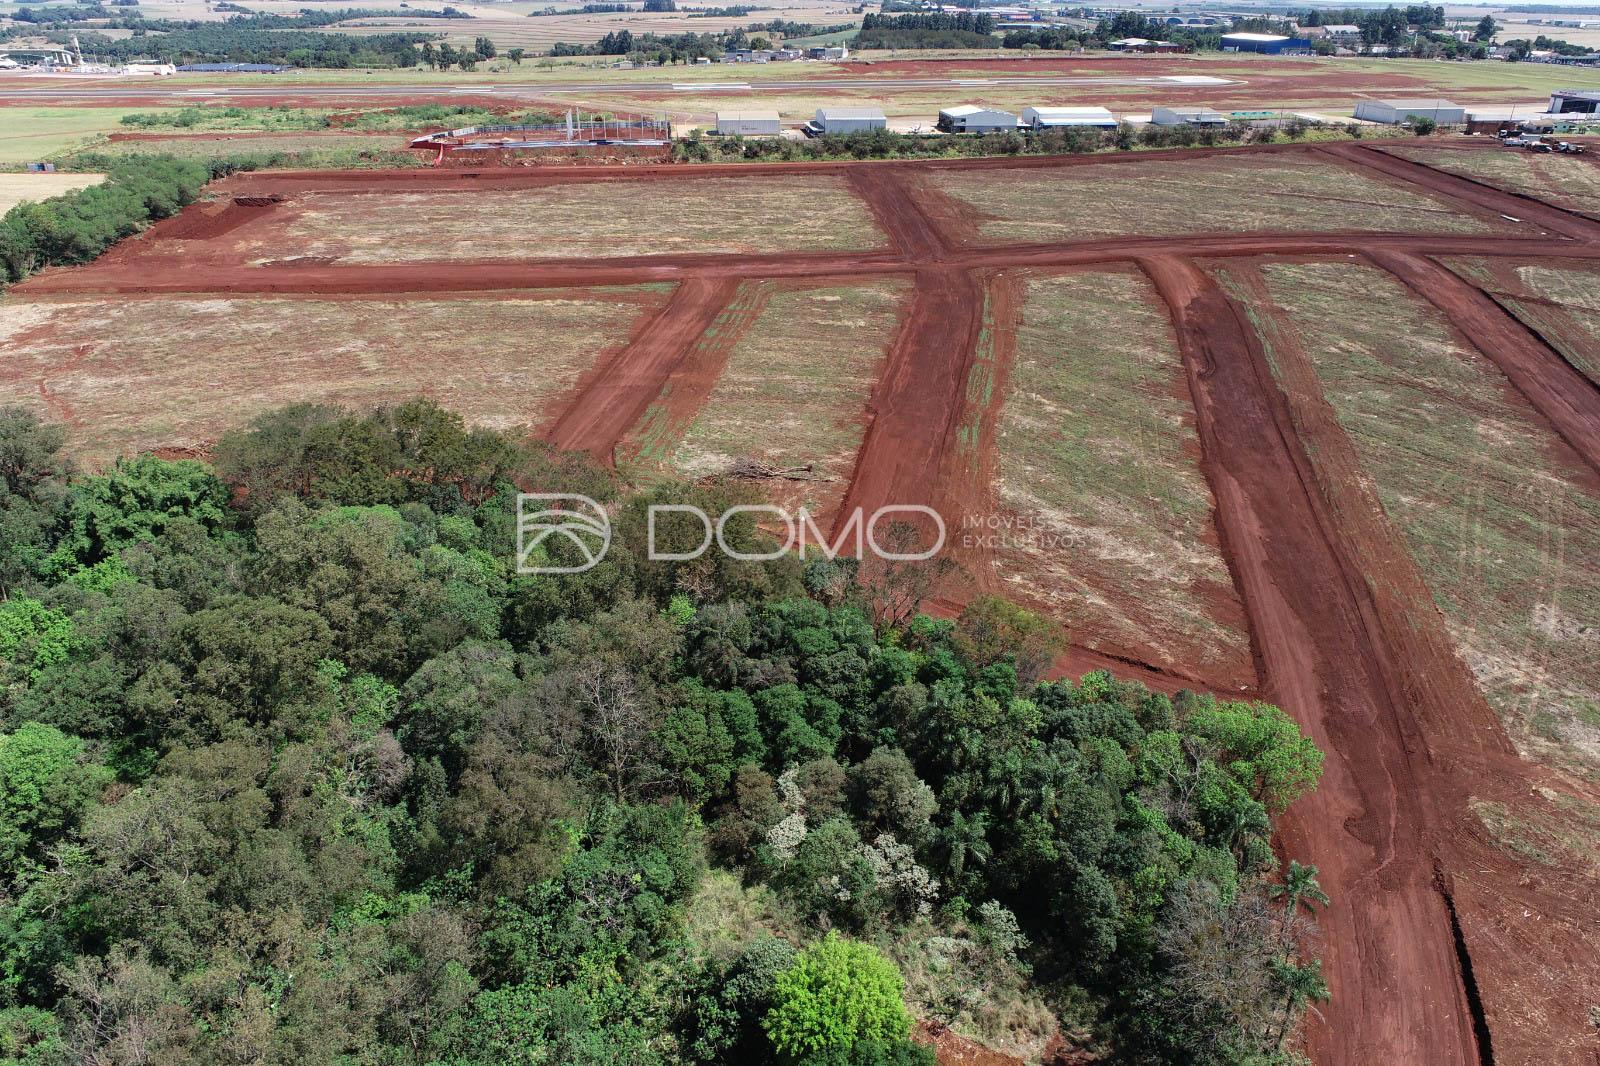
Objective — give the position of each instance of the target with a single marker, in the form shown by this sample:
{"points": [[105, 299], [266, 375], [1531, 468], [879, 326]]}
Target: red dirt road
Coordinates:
{"points": [[1569, 400], [1441, 946], [1383, 932], [613, 396]]}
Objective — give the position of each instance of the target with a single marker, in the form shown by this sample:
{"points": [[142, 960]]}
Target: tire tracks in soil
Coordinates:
{"points": [[1367, 825], [1566, 399], [612, 397]]}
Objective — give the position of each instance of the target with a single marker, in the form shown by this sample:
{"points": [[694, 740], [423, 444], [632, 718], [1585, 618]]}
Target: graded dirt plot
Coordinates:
{"points": [[1562, 180], [1559, 300], [1502, 518], [582, 219], [790, 404], [1097, 464], [175, 372], [1277, 192], [15, 188]]}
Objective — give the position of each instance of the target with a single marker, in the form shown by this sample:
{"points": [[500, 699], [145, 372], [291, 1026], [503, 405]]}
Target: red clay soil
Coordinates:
{"points": [[691, 381], [1528, 1014], [207, 221], [1439, 947], [611, 398], [955, 1050], [914, 415], [1365, 826]]}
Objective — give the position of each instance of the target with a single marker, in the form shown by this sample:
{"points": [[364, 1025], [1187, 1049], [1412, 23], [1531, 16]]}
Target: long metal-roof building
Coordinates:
{"points": [[1397, 111], [849, 119], [969, 118], [749, 123], [1045, 117]]}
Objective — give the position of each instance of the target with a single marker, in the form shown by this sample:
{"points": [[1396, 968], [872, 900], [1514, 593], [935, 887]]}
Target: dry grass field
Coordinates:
{"points": [[15, 188], [1502, 518], [128, 375], [799, 417], [1559, 299], [612, 219], [1096, 451], [1562, 180], [1221, 194]]}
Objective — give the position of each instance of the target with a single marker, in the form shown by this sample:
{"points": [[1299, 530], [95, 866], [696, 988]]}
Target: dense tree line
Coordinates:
{"points": [[240, 42], [648, 47], [296, 766], [77, 226], [927, 29], [1389, 26]]}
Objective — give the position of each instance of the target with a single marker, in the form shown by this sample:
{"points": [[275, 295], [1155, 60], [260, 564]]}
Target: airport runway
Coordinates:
{"points": [[269, 86]]}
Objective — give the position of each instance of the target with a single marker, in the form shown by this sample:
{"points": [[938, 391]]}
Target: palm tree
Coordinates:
{"points": [[1300, 886], [1301, 985], [965, 842]]}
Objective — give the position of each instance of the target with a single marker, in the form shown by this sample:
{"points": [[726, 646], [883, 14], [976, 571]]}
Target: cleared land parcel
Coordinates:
{"points": [[176, 372]]}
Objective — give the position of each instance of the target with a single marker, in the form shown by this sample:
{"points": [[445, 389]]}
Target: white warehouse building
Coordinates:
{"points": [[1187, 116], [1397, 111], [1045, 117], [849, 119], [969, 118], [748, 123]]}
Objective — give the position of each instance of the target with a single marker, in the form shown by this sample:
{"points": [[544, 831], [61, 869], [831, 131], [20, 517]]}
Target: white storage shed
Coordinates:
{"points": [[748, 123], [849, 119], [969, 118], [1396, 111]]}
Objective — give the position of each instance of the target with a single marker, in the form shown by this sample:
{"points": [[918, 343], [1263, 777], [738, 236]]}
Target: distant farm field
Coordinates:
{"points": [[1216, 194], [45, 133], [305, 148], [15, 188]]}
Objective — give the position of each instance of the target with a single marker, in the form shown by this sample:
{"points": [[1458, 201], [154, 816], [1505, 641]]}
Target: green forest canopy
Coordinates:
{"points": [[294, 766]]}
